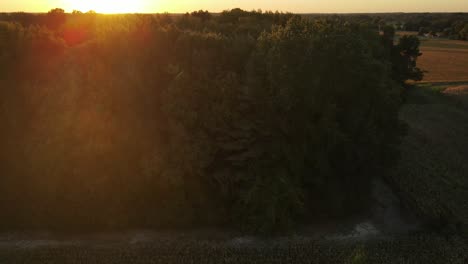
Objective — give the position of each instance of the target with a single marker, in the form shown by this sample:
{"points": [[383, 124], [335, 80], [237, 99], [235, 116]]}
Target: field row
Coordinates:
{"points": [[415, 249]]}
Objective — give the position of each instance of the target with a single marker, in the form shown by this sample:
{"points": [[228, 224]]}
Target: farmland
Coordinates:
{"points": [[444, 60], [431, 174], [189, 248]]}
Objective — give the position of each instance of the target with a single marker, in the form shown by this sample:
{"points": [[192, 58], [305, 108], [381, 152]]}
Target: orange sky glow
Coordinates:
{"points": [[182, 6]]}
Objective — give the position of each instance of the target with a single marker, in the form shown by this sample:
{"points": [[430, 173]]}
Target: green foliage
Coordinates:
{"points": [[257, 120], [285, 137], [407, 51], [403, 55]]}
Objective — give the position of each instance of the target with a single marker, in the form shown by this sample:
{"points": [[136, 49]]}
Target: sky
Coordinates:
{"points": [[182, 6]]}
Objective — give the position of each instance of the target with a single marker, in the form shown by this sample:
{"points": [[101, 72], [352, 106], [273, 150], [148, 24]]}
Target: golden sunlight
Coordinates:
{"points": [[108, 6]]}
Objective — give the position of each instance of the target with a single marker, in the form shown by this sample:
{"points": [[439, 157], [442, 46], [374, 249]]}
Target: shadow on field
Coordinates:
{"points": [[431, 174]]}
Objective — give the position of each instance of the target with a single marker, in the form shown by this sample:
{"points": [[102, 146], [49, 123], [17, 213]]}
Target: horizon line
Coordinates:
{"points": [[263, 11]]}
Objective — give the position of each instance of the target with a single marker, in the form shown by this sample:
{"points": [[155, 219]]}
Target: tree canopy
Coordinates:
{"points": [[248, 119]]}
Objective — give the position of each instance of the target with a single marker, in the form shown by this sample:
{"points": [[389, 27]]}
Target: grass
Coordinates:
{"points": [[432, 172]]}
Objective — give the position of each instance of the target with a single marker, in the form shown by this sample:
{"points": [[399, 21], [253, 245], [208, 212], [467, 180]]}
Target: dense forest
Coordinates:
{"points": [[254, 120]]}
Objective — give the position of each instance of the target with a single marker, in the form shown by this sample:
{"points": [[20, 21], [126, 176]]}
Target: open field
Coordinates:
{"points": [[432, 173], [444, 44], [444, 64], [406, 33], [443, 60]]}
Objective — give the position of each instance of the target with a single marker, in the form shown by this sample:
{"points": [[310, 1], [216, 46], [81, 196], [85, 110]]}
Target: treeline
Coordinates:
{"points": [[447, 25], [247, 119]]}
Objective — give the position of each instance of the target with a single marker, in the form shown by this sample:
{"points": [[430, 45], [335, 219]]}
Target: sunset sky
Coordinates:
{"points": [[181, 6]]}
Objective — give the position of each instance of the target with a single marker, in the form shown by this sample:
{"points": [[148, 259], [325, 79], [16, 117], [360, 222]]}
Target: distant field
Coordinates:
{"points": [[444, 64], [444, 44], [443, 60], [403, 33]]}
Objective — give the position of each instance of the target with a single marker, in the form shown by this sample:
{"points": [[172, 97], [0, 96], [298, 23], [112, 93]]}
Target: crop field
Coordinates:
{"points": [[414, 249], [444, 60], [432, 173]]}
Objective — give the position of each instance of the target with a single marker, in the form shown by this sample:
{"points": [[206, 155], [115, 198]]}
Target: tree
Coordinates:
{"points": [[55, 18], [240, 120], [405, 56], [203, 15], [464, 32], [388, 37], [282, 135]]}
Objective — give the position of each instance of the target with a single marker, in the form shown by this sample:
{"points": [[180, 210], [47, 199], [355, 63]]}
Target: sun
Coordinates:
{"points": [[108, 6]]}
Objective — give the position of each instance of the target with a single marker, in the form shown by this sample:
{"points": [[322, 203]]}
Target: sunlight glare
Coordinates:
{"points": [[108, 6]]}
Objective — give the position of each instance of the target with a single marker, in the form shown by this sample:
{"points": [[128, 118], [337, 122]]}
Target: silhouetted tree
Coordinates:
{"points": [[55, 18], [405, 56], [203, 15]]}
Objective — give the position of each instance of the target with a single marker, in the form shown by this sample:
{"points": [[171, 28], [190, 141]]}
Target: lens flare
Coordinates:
{"points": [[108, 6]]}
